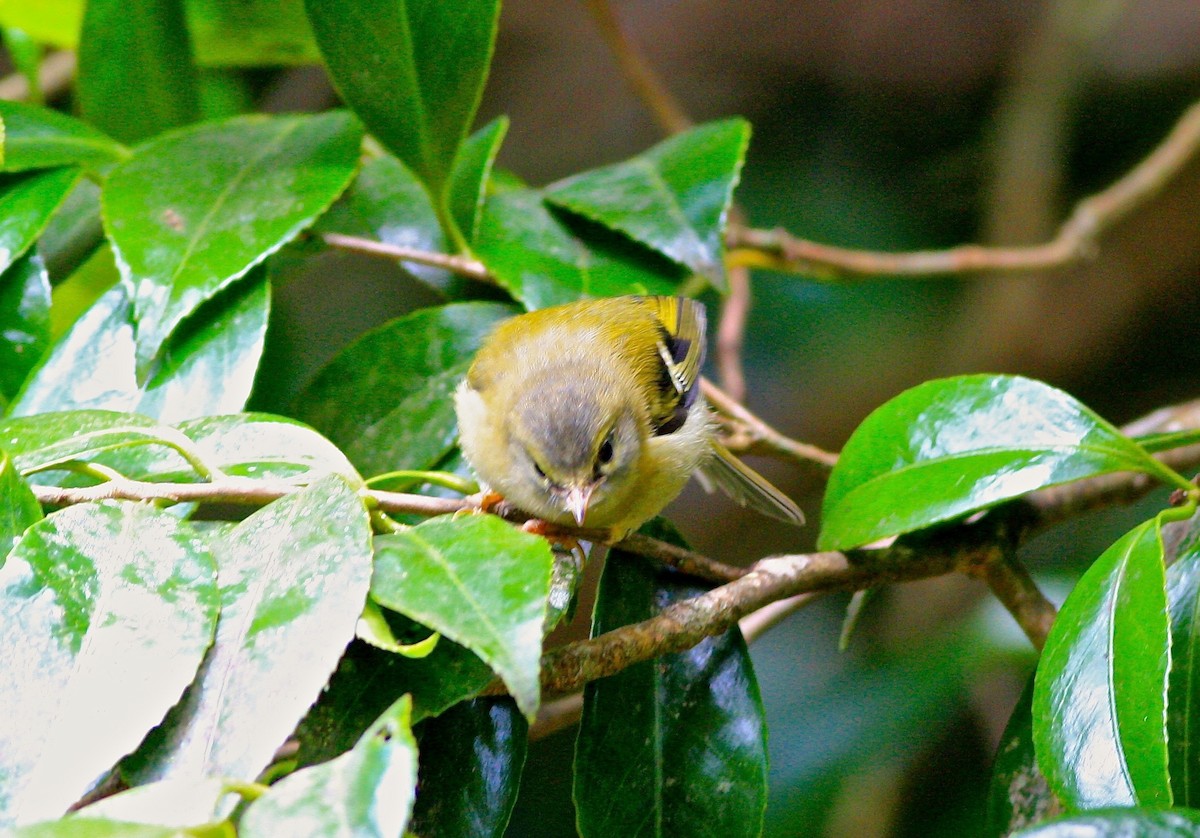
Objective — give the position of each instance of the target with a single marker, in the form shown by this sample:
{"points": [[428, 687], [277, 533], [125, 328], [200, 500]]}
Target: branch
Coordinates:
{"points": [[1077, 238], [460, 265], [751, 435]]}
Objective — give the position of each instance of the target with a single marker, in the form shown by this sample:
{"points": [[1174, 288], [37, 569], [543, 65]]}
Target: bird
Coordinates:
{"points": [[589, 414]]}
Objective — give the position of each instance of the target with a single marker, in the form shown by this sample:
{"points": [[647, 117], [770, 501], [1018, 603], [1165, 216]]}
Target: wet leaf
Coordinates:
{"points": [[24, 320]]}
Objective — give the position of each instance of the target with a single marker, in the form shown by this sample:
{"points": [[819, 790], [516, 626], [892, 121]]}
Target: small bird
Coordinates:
{"points": [[590, 414]]}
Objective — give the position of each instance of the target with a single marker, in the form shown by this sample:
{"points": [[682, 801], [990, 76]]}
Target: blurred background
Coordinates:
{"points": [[888, 125]]}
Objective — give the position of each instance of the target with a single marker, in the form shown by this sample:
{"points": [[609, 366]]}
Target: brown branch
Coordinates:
{"points": [[735, 310], [1011, 583], [1077, 238], [641, 76], [460, 265]]}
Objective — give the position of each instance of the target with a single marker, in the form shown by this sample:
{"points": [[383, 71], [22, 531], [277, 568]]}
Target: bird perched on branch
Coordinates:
{"points": [[590, 414]]}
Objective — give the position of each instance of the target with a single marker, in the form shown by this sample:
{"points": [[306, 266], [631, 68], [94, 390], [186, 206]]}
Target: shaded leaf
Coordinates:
{"points": [[251, 33], [480, 582], [676, 745], [293, 577], [193, 211], [1099, 701], [957, 445], [471, 761], [1119, 823], [367, 791], [136, 78], [19, 509], [388, 398], [374, 628], [1183, 703], [41, 138], [27, 201], [419, 91], [673, 198], [24, 320], [208, 367], [539, 258], [96, 598], [469, 177], [1019, 795], [369, 679]]}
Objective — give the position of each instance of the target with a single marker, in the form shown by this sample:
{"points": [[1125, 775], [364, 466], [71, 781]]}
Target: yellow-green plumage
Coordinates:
{"points": [[590, 413]]}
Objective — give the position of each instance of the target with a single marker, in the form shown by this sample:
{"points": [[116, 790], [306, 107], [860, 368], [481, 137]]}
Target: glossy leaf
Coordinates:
{"points": [[388, 399], [1019, 795], [673, 198], [368, 679], [293, 576], [469, 177], [136, 78], [208, 367], [19, 509], [40, 442], [541, 260], [97, 598], [264, 446], [471, 761], [1183, 703], [419, 91], [41, 138], [1099, 701], [953, 446], [387, 202], [195, 210], [1119, 823], [480, 582], [24, 320], [251, 33], [676, 745], [367, 791], [27, 201], [92, 828]]}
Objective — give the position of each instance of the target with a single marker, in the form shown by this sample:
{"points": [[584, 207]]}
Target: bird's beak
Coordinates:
{"points": [[576, 501]]}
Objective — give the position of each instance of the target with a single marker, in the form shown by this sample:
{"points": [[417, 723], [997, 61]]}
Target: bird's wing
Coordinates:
{"points": [[681, 347], [747, 487]]}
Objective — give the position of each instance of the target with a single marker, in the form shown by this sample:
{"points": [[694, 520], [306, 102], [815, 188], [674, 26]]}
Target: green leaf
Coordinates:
{"points": [[24, 320], [41, 138], [428, 63], [251, 33], [19, 509], [388, 399], [676, 745], [469, 178], [53, 22], [195, 210], [471, 761], [92, 828], [673, 198], [107, 610], [294, 576], [543, 260], [367, 791], [1019, 795], [27, 201], [136, 78], [208, 366], [953, 446], [267, 447], [26, 55], [387, 202], [480, 582], [1119, 823], [1100, 694], [368, 679], [41, 442], [1183, 702], [182, 804], [374, 628]]}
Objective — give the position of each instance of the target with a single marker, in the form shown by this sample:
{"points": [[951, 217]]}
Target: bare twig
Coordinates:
{"points": [[735, 310], [751, 435], [638, 71], [461, 265], [1011, 583], [1077, 238]]}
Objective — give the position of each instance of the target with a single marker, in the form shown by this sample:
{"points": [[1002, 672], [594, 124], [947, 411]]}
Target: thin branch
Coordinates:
{"points": [[735, 310], [461, 265], [1011, 583], [641, 76], [751, 435], [1077, 238]]}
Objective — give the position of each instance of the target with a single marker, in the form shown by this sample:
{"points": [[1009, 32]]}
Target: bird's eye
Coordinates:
{"points": [[605, 454], [538, 468]]}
